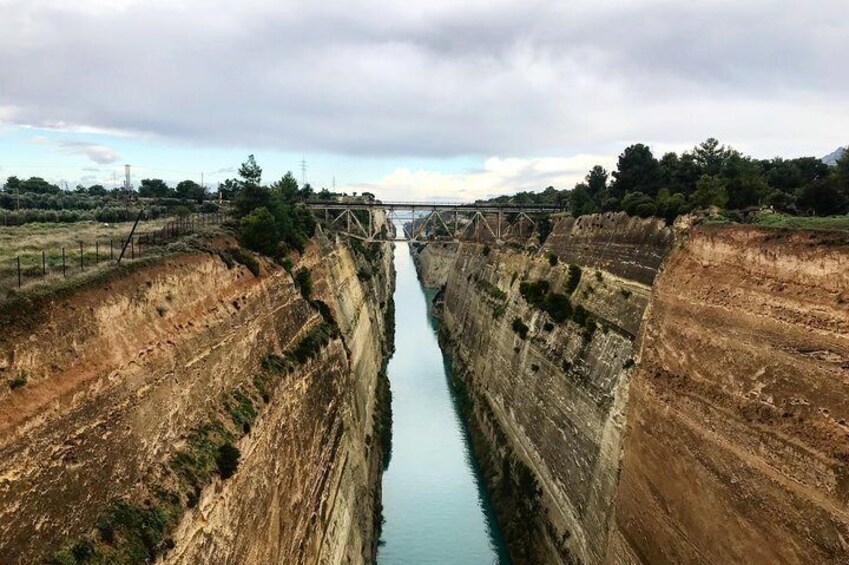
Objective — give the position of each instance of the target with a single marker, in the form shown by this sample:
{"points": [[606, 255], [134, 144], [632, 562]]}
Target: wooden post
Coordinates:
{"points": [[64, 267], [43, 263], [19, 271]]}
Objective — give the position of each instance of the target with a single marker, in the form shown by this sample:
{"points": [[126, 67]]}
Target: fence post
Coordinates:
{"points": [[81, 257], [132, 248], [64, 268], [19, 271], [43, 263], [110, 250]]}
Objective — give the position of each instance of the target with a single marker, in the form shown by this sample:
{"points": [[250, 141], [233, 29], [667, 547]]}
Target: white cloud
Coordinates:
{"points": [[498, 176], [97, 152]]}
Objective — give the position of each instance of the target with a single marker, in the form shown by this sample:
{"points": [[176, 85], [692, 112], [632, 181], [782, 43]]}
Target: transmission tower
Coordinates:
{"points": [[303, 171]]}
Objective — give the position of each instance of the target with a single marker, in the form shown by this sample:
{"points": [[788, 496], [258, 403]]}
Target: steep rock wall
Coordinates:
{"points": [[723, 441], [547, 411], [119, 373], [738, 446]]}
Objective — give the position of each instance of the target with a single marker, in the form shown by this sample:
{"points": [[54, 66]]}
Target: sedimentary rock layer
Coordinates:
{"points": [[720, 438], [738, 446], [119, 372], [547, 411]]}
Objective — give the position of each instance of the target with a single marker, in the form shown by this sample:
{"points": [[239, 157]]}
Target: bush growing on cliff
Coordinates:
{"points": [[520, 328], [534, 292], [18, 380], [227, 460], [303, 280], [553, 259], [574, 279]]}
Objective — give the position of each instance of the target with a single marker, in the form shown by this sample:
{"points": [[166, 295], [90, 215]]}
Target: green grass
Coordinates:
{"points": [[803, 222]]}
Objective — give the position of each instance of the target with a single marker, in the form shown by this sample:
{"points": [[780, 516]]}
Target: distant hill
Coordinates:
{"points": [[832, 158]]}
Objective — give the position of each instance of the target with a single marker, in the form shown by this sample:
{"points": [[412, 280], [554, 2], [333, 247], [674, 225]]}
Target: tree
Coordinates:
{"points": [[38, 185], [710, 156], [259, 232], [597, 182], [13, 183], [824, 198], [636, 171], [744, 182], [154, 188], [189, 189], [710, 191], [250, 172], [639, 204], [580, 201], [287, 186], [97, 190]]}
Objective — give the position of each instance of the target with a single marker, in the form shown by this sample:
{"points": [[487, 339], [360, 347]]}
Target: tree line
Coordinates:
{"points": [[710, 174]]}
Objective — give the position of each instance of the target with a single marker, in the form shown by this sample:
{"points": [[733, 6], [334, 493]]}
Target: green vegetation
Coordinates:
{"points": [[710, 174], [491, 290], [520, 328], [129, 533], [626, 294], [18, 380], [303, 280], [537, 293], [234, 255], [553, 259], [804, 222], [272, 218], [315, 340], [574, 279], [227, 460]]}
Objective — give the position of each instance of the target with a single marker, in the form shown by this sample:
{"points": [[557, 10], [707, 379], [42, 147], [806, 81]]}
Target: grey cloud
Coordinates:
{"points": [[434, 79]]}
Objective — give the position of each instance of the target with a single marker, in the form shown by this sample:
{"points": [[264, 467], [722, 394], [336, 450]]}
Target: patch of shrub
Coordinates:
{"points": [[520, 328], [259, 232], [553, 259], [491, 290], [303, 280], [245, 258], [558, 307], [574, 278], [499, 311], [534, 292], [548, 326], [625, 293], [599, 276], [18, 380], [227, 460], [486, 250], [628, 364], [312, 343]]}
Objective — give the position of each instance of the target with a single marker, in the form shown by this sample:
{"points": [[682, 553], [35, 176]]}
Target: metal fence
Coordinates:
{"points": [[66, 261]]}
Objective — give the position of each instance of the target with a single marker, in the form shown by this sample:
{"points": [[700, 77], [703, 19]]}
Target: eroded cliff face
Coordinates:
{"points": [[123, 377], [738, 447], [703, 421], [547, 410]]}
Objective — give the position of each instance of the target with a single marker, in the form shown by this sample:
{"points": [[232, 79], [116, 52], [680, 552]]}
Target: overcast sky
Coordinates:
{"points": [[447, 98]]}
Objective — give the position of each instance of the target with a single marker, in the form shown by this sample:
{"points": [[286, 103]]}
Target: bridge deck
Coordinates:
{"points": [[435, 207]]}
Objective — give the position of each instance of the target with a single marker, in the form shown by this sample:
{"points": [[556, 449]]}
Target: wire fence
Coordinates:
{"points": [[68, 260]]}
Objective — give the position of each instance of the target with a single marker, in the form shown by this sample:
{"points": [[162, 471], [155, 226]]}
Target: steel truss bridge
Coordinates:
{"points": [[422, 221]]}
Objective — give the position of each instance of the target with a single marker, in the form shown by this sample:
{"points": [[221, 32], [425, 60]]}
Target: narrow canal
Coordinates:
{"points": [[435, 507]]}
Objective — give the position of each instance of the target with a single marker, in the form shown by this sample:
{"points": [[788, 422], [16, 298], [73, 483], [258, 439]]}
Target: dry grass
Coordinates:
{"points": [[100, 241]]}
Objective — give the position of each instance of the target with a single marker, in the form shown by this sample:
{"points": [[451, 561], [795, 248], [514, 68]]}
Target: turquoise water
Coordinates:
{"points": [[435, 507]]}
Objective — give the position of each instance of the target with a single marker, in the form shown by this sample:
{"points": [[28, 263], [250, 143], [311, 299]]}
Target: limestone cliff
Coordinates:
{"points": [[131, 379], [721, 438], [738, 446], [547, 409]]}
